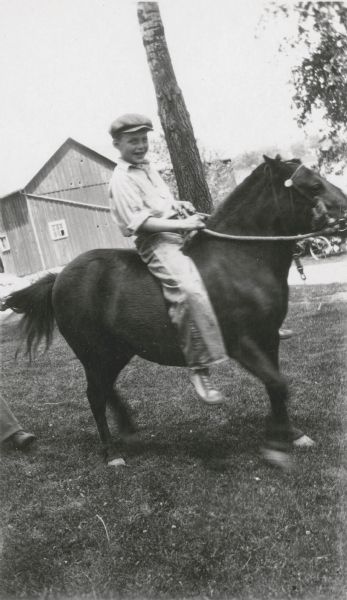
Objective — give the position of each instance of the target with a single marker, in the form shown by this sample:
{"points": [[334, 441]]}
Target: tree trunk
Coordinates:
{"points": [[173, 114]]}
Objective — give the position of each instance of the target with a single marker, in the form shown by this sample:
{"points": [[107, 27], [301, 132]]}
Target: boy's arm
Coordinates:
{"points": [[155, 225]]}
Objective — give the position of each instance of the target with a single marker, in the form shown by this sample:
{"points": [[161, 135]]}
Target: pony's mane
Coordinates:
{"points": [[239, 198]]}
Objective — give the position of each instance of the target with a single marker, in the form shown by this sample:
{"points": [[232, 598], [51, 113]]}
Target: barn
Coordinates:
{"points": [[60, 213], [63, 210]]}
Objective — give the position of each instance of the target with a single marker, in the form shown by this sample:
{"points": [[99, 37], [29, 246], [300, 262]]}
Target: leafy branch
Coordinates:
{"points": [[320, 79]]}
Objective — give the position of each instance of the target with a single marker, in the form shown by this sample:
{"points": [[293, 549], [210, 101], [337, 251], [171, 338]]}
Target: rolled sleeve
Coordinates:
{"points": [[127, 205], [138, 218]]}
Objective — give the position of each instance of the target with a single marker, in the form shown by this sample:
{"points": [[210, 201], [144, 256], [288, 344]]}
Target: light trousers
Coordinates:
{"points": [[190, 309], [8, 422]]}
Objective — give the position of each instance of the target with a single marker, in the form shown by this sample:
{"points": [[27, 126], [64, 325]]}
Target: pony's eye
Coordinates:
{"points": [[316, 187]]}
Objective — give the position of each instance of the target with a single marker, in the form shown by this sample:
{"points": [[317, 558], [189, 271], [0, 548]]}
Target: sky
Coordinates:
{"points": [[70, 67]]}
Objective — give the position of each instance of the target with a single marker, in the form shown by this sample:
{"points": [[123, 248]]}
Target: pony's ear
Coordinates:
{"points": [[269, 160]]}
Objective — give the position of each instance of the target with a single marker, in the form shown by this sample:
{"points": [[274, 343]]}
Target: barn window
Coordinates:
{"points": [[4, 243], [58, 229]]}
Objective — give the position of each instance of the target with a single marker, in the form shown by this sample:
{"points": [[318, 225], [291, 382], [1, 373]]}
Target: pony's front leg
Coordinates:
{"points": [[264, 365], [278, 432]]}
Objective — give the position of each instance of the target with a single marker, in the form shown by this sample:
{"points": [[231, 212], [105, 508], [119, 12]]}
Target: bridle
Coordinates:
{"points": [[289, 183]]}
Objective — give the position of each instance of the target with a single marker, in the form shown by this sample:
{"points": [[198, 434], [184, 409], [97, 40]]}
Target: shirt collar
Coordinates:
{"points": [[125, 165]]}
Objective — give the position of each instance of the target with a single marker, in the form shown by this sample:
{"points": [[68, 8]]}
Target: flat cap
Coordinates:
{"points": [[130, 122]]}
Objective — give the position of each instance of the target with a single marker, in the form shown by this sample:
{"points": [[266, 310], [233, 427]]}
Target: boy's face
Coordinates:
{"points": [[133, 146]]}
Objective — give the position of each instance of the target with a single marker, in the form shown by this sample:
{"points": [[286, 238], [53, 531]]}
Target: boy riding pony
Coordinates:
{"points": [[143, 206]]}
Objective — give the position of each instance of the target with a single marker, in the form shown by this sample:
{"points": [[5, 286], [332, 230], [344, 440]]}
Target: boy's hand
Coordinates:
{"points": [[193, 222], [185, 208]]}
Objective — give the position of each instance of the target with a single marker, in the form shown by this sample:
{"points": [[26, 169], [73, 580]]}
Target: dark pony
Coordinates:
{"points": [[109, 308]]}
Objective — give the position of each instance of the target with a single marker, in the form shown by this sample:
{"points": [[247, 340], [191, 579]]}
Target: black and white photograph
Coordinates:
{"points": [[173, 300]]}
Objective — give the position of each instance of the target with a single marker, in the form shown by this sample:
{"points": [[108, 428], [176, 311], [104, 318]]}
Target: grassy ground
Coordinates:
{"points": [[196, 513]]}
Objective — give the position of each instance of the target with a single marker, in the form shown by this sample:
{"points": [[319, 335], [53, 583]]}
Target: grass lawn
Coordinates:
{"points": [[196, 513]]}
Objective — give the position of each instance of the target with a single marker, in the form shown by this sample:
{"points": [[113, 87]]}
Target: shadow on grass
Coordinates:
{"points": [[189, 439]]}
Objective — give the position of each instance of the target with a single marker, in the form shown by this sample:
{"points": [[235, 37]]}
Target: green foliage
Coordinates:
{"points": [[159, 153], [306, 151], [250, 160], [218, 172], [320, 80]]}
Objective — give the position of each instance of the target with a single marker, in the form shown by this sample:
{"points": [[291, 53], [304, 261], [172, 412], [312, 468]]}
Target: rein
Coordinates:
{"points": [[264, 238]]}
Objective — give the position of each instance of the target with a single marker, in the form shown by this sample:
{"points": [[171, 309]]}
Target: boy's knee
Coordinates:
{"points": [[188, 289]]}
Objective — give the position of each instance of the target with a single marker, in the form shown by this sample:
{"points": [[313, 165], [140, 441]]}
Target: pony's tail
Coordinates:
{"points": [[35, 304]]}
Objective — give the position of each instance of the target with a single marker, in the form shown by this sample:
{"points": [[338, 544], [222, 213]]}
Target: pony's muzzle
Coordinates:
{"points": [[338, 225]]}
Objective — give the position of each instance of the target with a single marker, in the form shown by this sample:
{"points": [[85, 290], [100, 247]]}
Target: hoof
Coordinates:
{"points": [[303, 442], [116, 462], [277, 458]]}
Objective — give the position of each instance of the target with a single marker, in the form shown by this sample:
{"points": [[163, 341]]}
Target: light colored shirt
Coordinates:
{"points": [[137, 192]]}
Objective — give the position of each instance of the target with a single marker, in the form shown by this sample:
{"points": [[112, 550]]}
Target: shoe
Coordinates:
{"points": [[200, 378], [21, 439], [285, 334]]}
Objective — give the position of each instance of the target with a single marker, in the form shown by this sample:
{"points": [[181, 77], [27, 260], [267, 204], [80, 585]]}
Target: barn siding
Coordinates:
{"points": [[6, 257], [23, 256], [95, 194], [87, 228], [71, 170]]}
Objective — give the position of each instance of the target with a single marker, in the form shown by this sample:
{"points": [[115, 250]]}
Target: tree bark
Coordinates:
{"points": [[172, 110]]}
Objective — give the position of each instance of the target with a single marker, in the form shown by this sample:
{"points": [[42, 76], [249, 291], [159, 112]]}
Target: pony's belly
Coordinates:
{"points": [[169, 357]]}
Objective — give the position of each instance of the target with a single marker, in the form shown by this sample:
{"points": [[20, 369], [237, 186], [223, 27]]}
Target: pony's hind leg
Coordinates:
{"points": [[100, 380], [264, 365], [98, 392], [126, 425]]}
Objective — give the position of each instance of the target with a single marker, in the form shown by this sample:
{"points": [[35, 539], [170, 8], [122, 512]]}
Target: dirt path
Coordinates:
{"points": [[324, 271]]}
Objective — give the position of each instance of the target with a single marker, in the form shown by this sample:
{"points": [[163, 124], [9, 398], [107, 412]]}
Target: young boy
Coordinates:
{"points": [[143, 206]]}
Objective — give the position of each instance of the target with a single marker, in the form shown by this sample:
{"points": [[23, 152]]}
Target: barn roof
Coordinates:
{"points": [[58, 154]]}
